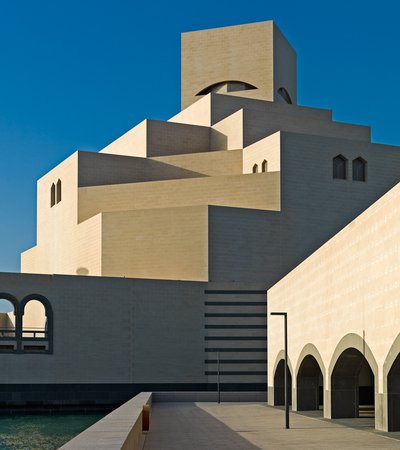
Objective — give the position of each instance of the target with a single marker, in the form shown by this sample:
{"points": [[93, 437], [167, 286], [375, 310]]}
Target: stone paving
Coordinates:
{"points": [[208, 426]]}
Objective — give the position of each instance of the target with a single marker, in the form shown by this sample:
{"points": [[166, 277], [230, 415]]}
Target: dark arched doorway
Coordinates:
{"points": [[393, 389], [310, 384], [353, 386], [279, 385]]}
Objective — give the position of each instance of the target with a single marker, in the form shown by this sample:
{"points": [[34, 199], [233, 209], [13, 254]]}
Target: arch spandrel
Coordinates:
{"points": [[391, 356], [279, 357], [12, 300], [353, 340], [310, 350], [391, 387]]}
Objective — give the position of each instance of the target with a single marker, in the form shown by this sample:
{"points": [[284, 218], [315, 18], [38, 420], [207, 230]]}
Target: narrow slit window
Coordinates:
{"points": [[58, 191], [255, 168], [264, 166], [52, 195]]}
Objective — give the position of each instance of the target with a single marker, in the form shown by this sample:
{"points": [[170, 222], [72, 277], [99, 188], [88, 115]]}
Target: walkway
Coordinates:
{"points": [[208, 426]]}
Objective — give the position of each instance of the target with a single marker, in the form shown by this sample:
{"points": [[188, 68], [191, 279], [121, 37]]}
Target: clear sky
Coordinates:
{"points": [[76, 74]]}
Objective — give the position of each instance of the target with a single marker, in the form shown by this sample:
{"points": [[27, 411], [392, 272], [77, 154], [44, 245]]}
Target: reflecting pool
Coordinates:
{"points": [[43, 431]]}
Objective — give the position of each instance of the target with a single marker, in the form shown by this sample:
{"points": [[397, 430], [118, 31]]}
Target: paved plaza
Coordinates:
{"points": [[229, 426]]}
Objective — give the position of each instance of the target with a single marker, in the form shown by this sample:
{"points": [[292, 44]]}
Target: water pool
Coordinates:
{"points": [[43, 431]]}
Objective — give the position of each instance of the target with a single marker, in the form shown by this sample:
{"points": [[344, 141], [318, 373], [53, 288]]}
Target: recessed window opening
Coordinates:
{"points": [[359, 169], [34, 322], [52, 195], [35, 348], [255, 168], [264, 166], [340, 167], [58, 197], [7, 347], [26, 325]]}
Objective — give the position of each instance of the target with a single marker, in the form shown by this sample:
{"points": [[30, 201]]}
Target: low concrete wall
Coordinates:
{"points": [[198, 396], [121, 429]]}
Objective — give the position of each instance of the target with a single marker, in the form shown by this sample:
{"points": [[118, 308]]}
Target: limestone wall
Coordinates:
{"points": [[345, 295], [158, 138], [210, 164], [132, 333], [95, 169], [166, 243], [259, 191], [112, 330]]}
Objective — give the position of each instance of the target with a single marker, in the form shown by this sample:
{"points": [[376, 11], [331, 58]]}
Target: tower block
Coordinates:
{"points": [[253, 60]]}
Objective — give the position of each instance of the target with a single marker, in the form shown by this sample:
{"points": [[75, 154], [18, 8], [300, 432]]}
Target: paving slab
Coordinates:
{"points": [[255, 426]]}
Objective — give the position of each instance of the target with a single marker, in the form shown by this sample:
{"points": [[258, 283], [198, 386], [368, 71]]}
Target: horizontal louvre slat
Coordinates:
{"points": [[236, 321], [237, 303], [235, 338], [236, 349], [256, 372], [238, 315], [236, 361], [236, 327]]}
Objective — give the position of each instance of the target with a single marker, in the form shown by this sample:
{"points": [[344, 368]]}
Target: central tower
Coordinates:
{"points": [[253, 60]]}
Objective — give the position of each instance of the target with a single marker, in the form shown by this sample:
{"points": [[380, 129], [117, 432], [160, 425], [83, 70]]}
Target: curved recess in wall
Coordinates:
{"points": [[285, 95], [233, 86]]}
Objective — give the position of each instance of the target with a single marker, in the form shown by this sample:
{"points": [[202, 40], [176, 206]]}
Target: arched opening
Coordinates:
{"points": [[285, 95], [359, 169], [310, 385], [255, 168], [58, 197], [393, 390], [279, 384], [7, 325], [34, 326], [52, 195], [353, 386], [340, 167], [264, 166], [227, 86]]}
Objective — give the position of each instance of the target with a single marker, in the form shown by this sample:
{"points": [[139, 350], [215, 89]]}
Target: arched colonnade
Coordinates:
{"points": [[348, 387], [26, 326]]}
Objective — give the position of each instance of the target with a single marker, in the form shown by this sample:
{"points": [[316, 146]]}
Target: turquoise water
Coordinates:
{"points": [[42, 431]]}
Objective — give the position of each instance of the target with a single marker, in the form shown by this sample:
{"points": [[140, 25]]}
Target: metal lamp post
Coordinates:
{"points": [[218, 380], [284, 314]]}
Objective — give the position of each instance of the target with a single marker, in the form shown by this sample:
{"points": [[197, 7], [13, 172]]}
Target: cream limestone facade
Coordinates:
{"points": [[253, 59], [154, 255], [343, 306]]}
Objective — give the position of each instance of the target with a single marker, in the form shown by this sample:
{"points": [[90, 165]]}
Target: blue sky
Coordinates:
{"points": [[77, 74]]}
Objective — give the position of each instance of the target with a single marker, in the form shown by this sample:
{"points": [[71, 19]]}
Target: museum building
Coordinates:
{"points": [[154, 255]]}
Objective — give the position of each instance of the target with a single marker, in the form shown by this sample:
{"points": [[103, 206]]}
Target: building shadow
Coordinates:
{"points": [[186, 426]]}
